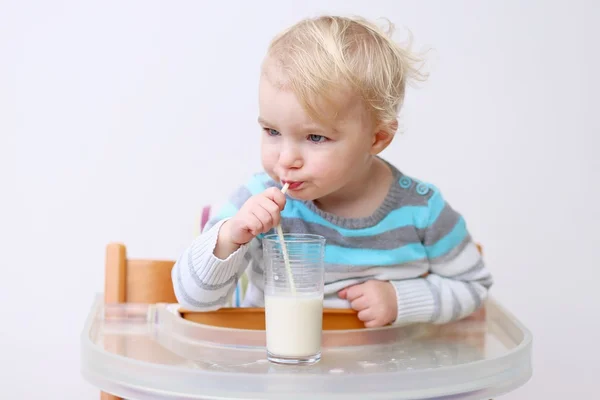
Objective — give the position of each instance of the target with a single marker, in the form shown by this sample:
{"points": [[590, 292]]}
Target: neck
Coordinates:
{"points": [[359, 198]]}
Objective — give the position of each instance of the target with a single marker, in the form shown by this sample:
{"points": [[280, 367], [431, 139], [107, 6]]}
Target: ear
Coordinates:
{"points": [[383, 136]]}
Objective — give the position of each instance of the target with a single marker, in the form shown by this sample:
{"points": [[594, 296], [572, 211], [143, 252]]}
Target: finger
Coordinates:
{"points": [[272, 208], [277, 197], [354, 292], [373, 324], [366, 315], [360, 304], [264, 216], [256, 225], [342, 293]]}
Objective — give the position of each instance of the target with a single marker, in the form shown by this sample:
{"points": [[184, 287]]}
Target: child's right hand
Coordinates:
{"points": [[259, 214]]}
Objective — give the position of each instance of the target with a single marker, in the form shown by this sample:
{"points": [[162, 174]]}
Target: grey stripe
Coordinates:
{"points": [[271, 183], [475, 295], [203, 285], [456, 308], [423, 263], [442, 226], [343, 268], [453, 253], [436, 301], [189, 300], [360, 279], [256, 249], [486, 281], [389, 240], [240, 197], [469, 273], [257, 269]]}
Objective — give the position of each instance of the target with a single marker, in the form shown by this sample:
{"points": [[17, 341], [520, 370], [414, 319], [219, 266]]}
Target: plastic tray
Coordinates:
{"points": [[140, 351]]}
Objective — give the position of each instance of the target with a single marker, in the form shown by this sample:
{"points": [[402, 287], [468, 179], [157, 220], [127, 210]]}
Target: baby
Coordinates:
{"points": [[330, 92]]}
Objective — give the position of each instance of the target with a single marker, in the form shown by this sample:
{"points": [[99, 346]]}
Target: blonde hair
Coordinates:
{"points": [[321, 57]]}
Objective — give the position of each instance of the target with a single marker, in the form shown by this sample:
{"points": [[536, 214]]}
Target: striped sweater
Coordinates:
{"points": [[415, 240]]}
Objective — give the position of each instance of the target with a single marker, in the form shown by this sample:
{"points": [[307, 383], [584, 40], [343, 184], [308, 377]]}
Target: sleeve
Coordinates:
{"points": [[201, 281], [458, 281]]}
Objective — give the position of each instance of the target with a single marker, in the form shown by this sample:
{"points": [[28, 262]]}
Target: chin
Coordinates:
{"points": [[299, 196], [302, 195]]}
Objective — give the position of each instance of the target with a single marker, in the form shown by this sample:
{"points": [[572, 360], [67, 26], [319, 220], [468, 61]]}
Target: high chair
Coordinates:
{"points": [[112, 338], [146, 281]]}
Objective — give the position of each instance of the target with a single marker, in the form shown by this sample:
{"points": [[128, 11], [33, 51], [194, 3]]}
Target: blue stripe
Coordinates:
{"points": [[450, 241], [264, 178], [227, 211], [255, 186], [419, 216]]}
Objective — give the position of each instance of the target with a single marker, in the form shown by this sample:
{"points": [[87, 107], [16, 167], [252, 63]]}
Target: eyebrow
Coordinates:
{"points": [[263, 122], [309, 127]]}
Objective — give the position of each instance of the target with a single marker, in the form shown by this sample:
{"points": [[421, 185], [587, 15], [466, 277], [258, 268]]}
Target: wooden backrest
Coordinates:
{"points": [[133, 281], [136, 280]]}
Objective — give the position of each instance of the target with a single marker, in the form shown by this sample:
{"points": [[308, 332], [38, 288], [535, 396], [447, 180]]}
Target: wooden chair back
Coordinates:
{"points": [[135, 281]]}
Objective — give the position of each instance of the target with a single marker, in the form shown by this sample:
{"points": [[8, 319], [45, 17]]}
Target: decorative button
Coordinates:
{"points": [[422, 189], [405, 182]]}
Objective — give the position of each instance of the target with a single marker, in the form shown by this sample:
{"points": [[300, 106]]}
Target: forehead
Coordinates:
{"points": [[280, 106], [278, 102]]}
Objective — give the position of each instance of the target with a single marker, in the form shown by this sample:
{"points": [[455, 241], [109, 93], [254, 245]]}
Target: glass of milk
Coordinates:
{"points": [[294, 304]]}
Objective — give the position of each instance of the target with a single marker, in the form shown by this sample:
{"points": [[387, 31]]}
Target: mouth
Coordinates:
{"points": [[294, 185]]}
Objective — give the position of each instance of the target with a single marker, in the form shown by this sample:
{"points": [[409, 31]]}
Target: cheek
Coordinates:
{"points": [[268, 156], [324, 167]]}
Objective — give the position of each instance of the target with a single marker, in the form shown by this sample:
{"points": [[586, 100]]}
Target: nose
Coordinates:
{"points": [[290, 157]]}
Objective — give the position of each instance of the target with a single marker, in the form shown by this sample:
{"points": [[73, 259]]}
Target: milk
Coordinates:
{"points": [[294, 324]]}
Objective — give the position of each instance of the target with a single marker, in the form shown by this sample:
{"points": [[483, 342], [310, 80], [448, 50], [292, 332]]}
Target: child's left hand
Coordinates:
{"points": [[374, 300]]}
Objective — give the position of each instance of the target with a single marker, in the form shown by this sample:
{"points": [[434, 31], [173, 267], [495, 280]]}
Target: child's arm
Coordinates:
{"points": [[458, 280], [456, 285], [207, 272], [201, 280]]}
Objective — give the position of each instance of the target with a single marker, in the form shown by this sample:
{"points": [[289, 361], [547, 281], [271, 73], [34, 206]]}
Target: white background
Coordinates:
{"points": [[119, 120]]}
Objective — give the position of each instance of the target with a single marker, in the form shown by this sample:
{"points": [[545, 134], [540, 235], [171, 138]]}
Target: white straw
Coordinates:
{"points": [[286, 259]]}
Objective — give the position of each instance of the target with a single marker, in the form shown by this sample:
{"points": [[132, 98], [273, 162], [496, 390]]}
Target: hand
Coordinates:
{"points": [[374, 300], [259, 214]]}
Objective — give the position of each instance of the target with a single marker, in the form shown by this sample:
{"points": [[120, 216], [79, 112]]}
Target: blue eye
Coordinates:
{"points": [[317, 138], [271, 132]]}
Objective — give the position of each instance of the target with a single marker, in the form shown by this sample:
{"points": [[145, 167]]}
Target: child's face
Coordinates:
{"points": [[318, 161]]}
